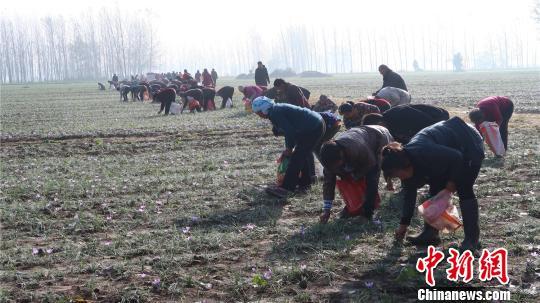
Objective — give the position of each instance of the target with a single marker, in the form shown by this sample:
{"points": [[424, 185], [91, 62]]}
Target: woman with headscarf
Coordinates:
{"points": [[207, 80], [303, 129]]}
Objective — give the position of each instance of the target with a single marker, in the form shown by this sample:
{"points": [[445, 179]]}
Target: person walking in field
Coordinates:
{"points": [[198, 76], [261, 75], [291, 93], [354, 112], [303, 129], [391, 79], [405, 121], [214, 75], [447, 156], [494, 109], [353, 154]]}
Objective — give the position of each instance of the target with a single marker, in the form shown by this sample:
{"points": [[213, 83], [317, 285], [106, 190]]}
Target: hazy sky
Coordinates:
{"points": [[232, 18], [190, 24]]}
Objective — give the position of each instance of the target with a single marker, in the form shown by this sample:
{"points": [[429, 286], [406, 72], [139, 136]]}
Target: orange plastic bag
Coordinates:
{"points": [[353, 193], [490, 132], [247, 105]]}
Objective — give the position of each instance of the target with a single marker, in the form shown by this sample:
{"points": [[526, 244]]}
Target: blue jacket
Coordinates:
{"points": [[294, 121]]}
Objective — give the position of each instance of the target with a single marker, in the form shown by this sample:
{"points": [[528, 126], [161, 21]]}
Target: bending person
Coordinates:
{"points": [[353, 113], [446, 155], [494, 109], [303, 129], [405, 121], [354, 153]]}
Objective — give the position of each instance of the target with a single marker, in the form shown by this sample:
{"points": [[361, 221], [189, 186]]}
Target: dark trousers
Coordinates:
{"points": [[467, 199], [503, 128], [224, 101], [372, 189], [464, 186], [166, 104], [302, 160]]}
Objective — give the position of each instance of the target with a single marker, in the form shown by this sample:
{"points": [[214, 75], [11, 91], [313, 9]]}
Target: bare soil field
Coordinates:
{"points": [[105, 201]]}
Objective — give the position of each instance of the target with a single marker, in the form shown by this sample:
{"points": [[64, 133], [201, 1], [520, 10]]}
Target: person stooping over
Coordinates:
{"points": [[494, 109], [405, 121], [446, 156], [353, 154], [353, 113], [303, 129]]}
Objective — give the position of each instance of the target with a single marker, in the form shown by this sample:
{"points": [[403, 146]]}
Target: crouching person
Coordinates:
{"points": [[353, 154], [325, 104], [303, 129], [446, 155], [353, 113]]}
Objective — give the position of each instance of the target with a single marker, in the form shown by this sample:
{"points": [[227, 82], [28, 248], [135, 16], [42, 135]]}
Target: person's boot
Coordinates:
{"points": [[469, 212], [428, 236]]}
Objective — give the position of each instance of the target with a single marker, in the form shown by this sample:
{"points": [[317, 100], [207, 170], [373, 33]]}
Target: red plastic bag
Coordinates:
{"points": [[490, 132], [193, 104], [353, 193]]}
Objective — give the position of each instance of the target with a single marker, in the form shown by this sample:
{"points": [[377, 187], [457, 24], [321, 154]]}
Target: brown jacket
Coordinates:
{"points": [[362, 146], [363, 109]]}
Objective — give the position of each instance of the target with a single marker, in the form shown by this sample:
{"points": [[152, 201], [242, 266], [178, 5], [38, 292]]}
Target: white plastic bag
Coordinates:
{"points": [[436, 205], [440, 213], [492, 135], [228, 103], [175, 108]]}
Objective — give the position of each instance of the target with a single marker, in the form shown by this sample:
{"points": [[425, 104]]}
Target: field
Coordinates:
{"points": [[105, 201]]}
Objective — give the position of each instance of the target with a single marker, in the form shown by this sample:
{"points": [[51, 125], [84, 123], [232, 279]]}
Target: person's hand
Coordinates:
{"points": [[284, 154], [451, 186], [400, 232], [389, 184], [287, 153], [323, 218]]}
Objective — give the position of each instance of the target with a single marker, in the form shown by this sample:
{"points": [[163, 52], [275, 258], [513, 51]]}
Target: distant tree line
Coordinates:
{"points": [[107, 41], [93, 46]]}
